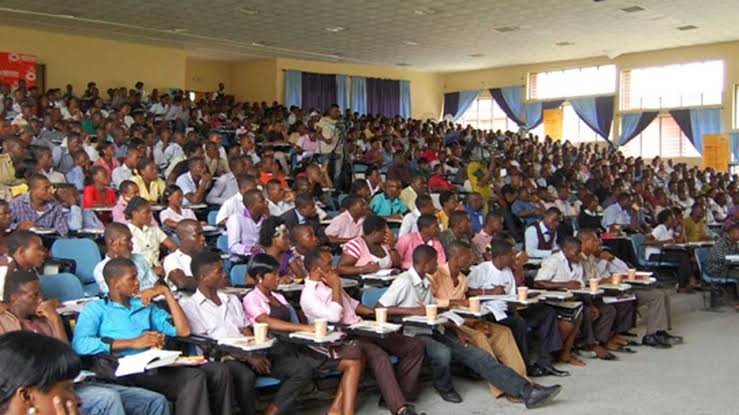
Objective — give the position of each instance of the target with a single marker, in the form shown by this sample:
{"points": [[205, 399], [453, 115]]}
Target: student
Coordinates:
{"points": [[274, 240], [323, 297], [459, 230], [541, 237], [38, 208], [264, 305], [98, 194], [372, 251], [424, 206], [409, 194], [235, 204], [475, 208], [304, 240], [5, 220], [348, 225], [28, 312], [305, 212], [216, 315], [695, 225], [150, 185], [388, 204], [147, 238], [493, 226], [77, 218], [226, 185], [177, 265], [408, 294], [174, 213], [118, 242], [279, 200], [243, 229], [195, 182], [127, 170], [126, 325], [449, 203], [666, 233], [76, 175], [128, 190], [428, 234]]}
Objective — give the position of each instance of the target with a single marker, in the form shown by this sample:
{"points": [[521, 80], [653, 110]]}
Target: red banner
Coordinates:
{"points": [[17, 66]]}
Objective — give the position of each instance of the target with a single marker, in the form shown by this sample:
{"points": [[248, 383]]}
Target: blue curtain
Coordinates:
{"points": [[293, 88], [342, 92], [704, 121], [633, 123], [405, 99], [527, 116], [466, 99], [359, 94], [734, 142], [451, 103], [383, 97], [682, 118], [597, 113]]}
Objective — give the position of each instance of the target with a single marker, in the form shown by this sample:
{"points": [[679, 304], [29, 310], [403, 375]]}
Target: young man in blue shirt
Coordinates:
{"points": [[121, 324]]}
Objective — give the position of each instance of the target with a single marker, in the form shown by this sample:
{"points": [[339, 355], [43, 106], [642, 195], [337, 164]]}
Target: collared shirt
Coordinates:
{"points": [[78, 218], [557, 268], [408, 197], [357, 248], [214, 321], [594, 267], [230, 207], [532, 241], [145, 275], [316, 302], [278, 209], [407, 243], [717, 265], [410, 223], [105, 318], [51, 217], [660, 233], [153, 192], [443, 288], [7, 171], [186, 183], [382, 206], [243, 232], [256, 304], [216, 166], [344, 226], [170, 214], [120, 174], [477, 217], [146, 241], [176, 260], [695, 231], [223, 188], [615, 215], [408, 290], [76, 177], [488, 276], [328, 130], [118, 211]]}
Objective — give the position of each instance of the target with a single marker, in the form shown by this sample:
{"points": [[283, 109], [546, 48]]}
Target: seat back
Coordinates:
{"points": [[212, 215], [638, 243], [222, 243], [62, 287], [238, 275], [84, 252], [371, 296], [701, 258]]}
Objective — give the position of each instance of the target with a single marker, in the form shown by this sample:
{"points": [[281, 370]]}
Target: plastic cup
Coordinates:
{"points": [[593, 285], [617, 279], [431, 312], [260, 333], [321, 325], [381, 315], [632, 274], [523, 293], [474, 304]]}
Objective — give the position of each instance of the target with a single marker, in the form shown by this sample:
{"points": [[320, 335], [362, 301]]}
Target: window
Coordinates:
{"points": [[574, 129], [672, 86], [593, 80], [485, 114], [663, 138]]}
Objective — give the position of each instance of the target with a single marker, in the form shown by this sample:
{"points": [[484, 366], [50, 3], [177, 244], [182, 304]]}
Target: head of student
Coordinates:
{"points": [[118, 240], [138, 211], [305, 205], [460, 256], [393, 188], [475, 202], [35, 370], [590, 242], [374, 228], [120, 275], [666, 217], [40, 188], [303, 237], [22, 292], [207, 269], [504, 256], [552, 218], [263, 268], [493, 223], [190, 234], [274, 234], [418, 184], [318, 260], [255, 203], [425, 260], [5, 216], [449, 201], [26, 249], [624, 200], [428, 226], [425, 204], [128, 190], [357, 207], [697, 212], [460, 223], [572, 248]]}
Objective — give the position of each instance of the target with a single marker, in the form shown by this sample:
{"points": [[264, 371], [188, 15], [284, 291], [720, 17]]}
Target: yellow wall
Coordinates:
{"points": [[255, 80], [516, 75], [78, 60], [204, 75]]}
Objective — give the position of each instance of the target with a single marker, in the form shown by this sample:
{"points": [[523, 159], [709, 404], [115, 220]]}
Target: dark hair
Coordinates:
{"points": [[103, 146], [261, 264], [312, 257], [170, 190], [268, 229], [353, 201], [424, 200], [664, 215], [14, 280], [303, 200], [143, 163], [373, 224], [424, 221], [499, 246], [133, 205], [115, 269], [20, 239], [357, 185], [569, 241], [35, 178], [457, 217], [553, 211], [251, 197], [446, 196], [112, 230], [203, 260], [28, 359], [423, 253], [126, 185]]}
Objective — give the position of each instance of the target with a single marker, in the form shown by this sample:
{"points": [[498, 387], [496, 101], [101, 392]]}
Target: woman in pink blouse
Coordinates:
{"points": [[371, 252], [174, 212], [263, 305], [107, 158]]}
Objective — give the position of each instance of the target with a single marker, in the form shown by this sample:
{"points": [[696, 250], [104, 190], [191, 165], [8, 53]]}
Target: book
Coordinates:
{"points": [[141, 362], [309, 335]]}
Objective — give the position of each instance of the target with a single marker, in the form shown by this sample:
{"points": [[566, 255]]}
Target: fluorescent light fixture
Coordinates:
{"points": [[410, 43], [476, 55], [250, 12], [424, 12], [335, 29], [506, 29], [633, 9], [403, 64], [687, 27], [564, 44]]}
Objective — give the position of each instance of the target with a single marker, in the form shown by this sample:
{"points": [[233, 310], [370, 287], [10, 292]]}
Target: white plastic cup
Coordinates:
{"points": [[321, 325], [523, 293], [431, 312], [381, 315], [260, 333], [474, 304]]}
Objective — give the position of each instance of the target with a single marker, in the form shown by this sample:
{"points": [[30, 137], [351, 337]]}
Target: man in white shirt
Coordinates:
{"points": [[126, 170], [177, 271], [617, 214], [564, 271], [226, 186], [541, 237], [277, 198], [195, 182], [424, 206], [235, 204]]}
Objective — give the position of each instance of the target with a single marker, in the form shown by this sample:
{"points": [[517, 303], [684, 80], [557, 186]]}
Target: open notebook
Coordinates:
{"points": [[150, 359]]}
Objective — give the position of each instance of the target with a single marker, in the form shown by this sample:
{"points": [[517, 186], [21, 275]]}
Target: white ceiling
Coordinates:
{"points": [[438, 35]]}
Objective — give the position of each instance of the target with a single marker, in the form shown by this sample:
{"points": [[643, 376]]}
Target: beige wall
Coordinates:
{"points": [[204, 75], [255, 80], [517, 75], [78, 60]]}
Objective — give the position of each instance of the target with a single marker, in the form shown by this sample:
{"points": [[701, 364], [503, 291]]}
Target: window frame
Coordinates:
{"points": [[532, 85]]}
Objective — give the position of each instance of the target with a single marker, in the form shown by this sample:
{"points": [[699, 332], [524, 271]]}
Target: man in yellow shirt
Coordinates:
{"points": [[417, 187], [695, 225]]}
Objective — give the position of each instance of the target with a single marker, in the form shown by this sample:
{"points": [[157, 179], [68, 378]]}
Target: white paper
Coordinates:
{"points": [[610, 300], [376, 327], [150, 359], [245, 343], [456, 318], [497, 307], [310, 335]]}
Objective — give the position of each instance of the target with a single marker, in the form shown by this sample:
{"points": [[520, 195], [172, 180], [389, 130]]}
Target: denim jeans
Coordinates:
{"points": [[441, 349], [110, 399]]}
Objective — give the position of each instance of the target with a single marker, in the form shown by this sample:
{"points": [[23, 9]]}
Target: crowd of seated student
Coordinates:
{"points": [[70, 164]]}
